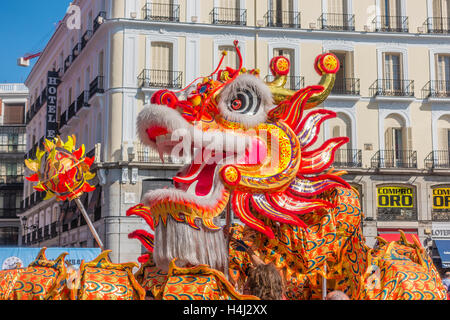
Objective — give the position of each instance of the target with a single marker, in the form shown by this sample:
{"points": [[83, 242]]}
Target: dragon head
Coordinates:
{"points": [[246, 142]]}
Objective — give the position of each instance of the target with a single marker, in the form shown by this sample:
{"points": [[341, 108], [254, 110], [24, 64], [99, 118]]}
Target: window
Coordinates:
{"points": [[441, 9], [392, 72], [231, 59], [9, 236], [443, 74], [101, 58], [337, 6], [293, 82], [13, 114], [280, 8], [345, 82], [162, 56]]}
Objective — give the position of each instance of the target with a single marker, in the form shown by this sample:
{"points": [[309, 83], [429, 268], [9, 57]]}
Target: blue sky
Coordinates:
{"points": [[25, 27]]}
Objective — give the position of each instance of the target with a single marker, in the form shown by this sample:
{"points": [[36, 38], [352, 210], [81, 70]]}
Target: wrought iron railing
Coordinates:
{"points": [[402, 159], [436, 89], [150, 78], [8, 213], [72, 111], [392, 87], [391, 24], [98, 21], [348, 158], [67, 62], [292, 82], [96, 86], [82, 101], [11, 179], [53, 230], [161, 12], [350, 86], [85, 38], [149, 155], [337, 21], [282, 19], [438, 159], [231, 16], [63, 120], [76, 51], [437, 25]]}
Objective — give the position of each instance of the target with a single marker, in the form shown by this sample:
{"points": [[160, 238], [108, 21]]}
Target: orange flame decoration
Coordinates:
{"points": [[60, 170]]}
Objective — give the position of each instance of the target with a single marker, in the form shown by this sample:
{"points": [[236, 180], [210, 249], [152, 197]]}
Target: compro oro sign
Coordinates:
{"points": [[441, 198], [395, 197]]}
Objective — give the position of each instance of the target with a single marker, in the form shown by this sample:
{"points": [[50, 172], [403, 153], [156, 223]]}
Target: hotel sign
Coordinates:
{"points": [[52, 97], [395, 197], [441, 198]]}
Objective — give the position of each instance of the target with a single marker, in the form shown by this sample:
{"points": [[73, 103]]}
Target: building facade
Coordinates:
{"points": [[392, 98], [13, 101]]}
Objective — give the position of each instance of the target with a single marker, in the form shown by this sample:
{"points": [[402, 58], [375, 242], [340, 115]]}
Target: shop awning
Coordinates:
{"points": [[395, 236], [443, 247]]}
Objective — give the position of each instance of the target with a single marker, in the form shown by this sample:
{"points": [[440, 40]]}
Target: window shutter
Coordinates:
{"points": [[14, 114], [389, 139]]}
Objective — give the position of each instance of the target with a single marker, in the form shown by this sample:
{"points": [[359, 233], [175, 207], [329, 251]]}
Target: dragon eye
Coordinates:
{"points": [[246, 102]]}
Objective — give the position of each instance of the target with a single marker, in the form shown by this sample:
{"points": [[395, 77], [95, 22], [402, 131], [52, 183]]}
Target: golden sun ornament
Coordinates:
{"points": [[60, 170]]}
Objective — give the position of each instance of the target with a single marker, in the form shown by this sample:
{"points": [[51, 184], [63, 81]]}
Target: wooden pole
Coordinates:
{"points": [[89, 223], [324, 284]]}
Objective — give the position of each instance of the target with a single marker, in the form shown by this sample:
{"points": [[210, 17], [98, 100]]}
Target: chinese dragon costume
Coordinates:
{"points": [[250, 147]]}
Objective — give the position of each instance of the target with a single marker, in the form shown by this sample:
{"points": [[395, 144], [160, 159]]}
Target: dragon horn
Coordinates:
{"points": [[326, 65]]}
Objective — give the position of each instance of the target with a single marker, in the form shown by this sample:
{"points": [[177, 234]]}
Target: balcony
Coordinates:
{"points": [[337, 22], [438, 159], [67, 63], [46, 232], [436, 89], [282, 19], [392, 88], [400, 159], [150, 78], [348, 158], [229, 16], [85, 38], [53, 230], [148, 155], [96, 87], [161, 12], [63, 120], [11, 179], [8, 213], [13, 139], [99, 20], [292, 82], [391, 24], [76, 51], [72, 111], [347, 86], [82, 101], [438, 25]]}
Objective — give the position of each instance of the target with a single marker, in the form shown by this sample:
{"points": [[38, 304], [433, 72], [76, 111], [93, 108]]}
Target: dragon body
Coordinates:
{"points": [[251, 146]]}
